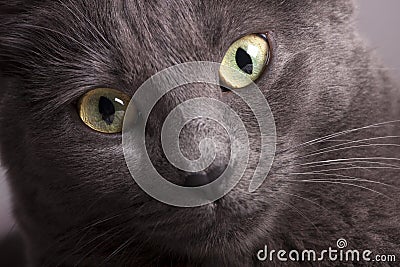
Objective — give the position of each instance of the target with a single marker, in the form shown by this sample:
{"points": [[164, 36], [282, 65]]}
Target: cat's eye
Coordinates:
{"points": [[103, 109], [245, 61]]}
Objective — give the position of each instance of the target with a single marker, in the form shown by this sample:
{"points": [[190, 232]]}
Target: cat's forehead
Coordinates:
{"points": [[181, 30], [131, 40], [172, 20], [189, 19]]}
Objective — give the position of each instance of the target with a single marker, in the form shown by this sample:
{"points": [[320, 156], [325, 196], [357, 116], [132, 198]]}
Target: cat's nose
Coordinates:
{"points": [[204, 177]]}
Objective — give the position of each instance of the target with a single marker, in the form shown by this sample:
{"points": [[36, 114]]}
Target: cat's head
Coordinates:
{"points": [[66, 176]]}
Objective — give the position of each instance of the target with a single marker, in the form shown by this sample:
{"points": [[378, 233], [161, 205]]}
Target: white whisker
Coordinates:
{"points": [[306, 199], [297, 211], [341, 183], [352, 142], [343, 161], [350, 147], [354, 168], [120, 248], [330, 136], [344, 177]]}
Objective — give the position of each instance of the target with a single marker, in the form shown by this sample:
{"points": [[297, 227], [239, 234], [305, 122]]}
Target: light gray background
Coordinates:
{"points": [[379, 23]]}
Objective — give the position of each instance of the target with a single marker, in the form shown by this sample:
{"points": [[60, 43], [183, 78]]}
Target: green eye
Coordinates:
{"points": [[245, 61], [103, 109]]}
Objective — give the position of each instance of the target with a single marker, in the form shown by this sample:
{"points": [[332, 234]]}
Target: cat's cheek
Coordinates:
{"points": [[61, 146]]}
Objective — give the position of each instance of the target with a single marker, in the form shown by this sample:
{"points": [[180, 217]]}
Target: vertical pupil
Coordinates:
{"points": [[107, 110], [243, 60]]}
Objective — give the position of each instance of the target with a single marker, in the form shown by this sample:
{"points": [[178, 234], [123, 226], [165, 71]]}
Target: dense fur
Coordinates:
{"points": [[74, 199]]}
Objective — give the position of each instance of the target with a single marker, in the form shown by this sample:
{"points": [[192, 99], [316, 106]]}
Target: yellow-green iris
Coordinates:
{"points": [[103, 109], [245, 61]]}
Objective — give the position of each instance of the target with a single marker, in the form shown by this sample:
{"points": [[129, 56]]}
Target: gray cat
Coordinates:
{"points": [[335, 174]]}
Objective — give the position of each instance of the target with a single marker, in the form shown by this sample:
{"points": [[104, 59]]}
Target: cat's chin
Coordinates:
{"points": [[224, 224]]}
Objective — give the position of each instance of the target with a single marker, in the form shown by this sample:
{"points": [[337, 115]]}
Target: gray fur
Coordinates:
{"points": [[74, 199]]}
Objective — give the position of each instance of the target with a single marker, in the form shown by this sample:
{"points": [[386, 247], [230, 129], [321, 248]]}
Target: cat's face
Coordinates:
{"points": [[67, 176]]}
